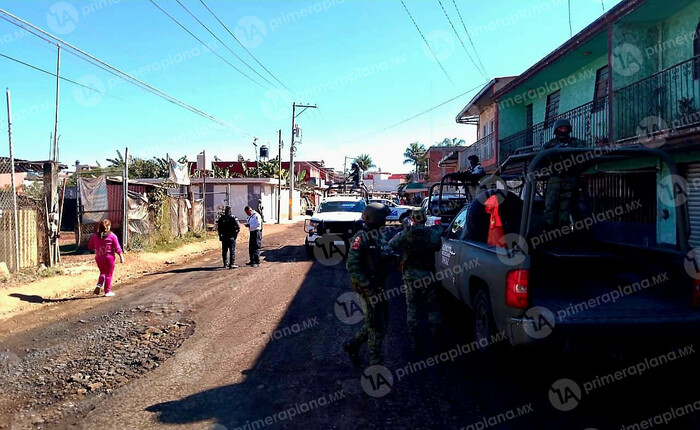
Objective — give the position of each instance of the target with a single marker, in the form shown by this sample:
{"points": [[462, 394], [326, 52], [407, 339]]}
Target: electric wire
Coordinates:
{"points": [[426, 42], [461, 42], [204, 44], [222, 42], [243, 46], [32, 29], [469, 37]]}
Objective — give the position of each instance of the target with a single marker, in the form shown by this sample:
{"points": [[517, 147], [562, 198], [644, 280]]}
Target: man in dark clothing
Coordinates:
{"points": [[228, 228], [356, 175], [260, 210], [561, 184], [475, 167], [368, 268]]}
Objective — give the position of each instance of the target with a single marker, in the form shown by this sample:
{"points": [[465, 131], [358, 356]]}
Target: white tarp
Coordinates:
{"points": [[178, 173], [93, 197], [139, 221]]}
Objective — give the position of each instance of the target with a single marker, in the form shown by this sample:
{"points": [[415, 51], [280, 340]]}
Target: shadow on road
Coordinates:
{"points": [[284, 254], [303, 379], [188, 270], [39, 299]]}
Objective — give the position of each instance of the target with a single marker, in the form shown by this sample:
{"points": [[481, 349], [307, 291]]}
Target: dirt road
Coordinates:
{"points": [[199, 347]]}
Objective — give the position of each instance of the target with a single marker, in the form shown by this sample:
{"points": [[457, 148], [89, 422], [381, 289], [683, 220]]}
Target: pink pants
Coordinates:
{"points": [[106, 265]]}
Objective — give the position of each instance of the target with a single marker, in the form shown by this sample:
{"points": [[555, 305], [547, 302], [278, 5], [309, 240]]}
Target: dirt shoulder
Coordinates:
{"points": [[79, 278]]}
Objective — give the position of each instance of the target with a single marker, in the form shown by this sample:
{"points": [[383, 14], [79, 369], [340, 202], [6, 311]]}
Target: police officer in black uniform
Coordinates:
{"points": [[228, 228]]}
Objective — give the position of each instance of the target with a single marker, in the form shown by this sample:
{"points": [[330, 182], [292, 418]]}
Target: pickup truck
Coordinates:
{"points": [[339, 215], [619, 269]]}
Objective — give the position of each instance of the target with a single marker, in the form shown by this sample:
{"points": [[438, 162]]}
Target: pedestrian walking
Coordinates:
{"points": [[368, 267], [255, 243], [228, 228], [106, 246], [418, 245]]}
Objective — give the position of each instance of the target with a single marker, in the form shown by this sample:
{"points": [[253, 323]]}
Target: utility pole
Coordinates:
{"points": [[257, 163], [292, 147], [55, 125], [279, 176], [125, 183], [12, 180]]}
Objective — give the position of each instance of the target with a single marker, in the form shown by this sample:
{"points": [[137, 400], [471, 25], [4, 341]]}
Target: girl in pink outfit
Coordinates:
{"points": [[105, 244]]}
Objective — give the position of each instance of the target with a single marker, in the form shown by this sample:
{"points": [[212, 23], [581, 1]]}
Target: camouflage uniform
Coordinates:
{"points": [[418, 244], [560, 186], [368, 272]]}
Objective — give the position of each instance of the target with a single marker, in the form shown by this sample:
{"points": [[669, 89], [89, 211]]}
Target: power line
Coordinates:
{"points": [[19, 22], [602, 3], [204, 44], [460, 41], [425, 111], [62, 78], [571, 30], [243, 46], [222, 42], [426, 42], [471, 42]]}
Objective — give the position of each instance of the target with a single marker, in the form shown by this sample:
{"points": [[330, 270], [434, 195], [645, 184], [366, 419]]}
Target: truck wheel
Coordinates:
{"points": [[403, 216], [483, 324]]}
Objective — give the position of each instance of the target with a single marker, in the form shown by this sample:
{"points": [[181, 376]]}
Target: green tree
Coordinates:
{"points": [[415, 154], [364, 161], [451, 142]]}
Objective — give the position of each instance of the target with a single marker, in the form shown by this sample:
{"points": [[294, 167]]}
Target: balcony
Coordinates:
{"points": [[589, 123], [482, 148], [667, 100]]}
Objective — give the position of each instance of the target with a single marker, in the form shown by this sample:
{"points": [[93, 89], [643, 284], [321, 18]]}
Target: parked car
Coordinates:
{"points": [[398, 212], [616, 276], [438, 214]]}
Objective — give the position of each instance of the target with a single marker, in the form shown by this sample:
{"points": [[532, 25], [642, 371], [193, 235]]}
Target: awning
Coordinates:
{"points": [[415, 187], [450, 159]]}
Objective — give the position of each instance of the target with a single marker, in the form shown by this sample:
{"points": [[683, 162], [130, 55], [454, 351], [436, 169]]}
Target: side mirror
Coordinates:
{"points": [[309, 212]]}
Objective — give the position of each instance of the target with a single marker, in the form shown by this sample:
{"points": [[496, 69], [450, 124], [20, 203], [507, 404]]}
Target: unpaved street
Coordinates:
{"points": [[199, 347]]}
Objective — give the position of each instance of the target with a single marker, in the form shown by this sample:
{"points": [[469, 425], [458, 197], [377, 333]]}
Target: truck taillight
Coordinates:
{"points": [[696, 293], [517, 288], [438, 221]]}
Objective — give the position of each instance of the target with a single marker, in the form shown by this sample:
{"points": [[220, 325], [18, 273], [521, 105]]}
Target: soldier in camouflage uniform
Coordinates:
{"points": [[561, 184], [418, 245], [367, 268]]}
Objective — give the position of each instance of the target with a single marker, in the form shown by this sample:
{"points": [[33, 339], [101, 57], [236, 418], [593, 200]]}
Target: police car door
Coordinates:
{"points": [[448, 257]]}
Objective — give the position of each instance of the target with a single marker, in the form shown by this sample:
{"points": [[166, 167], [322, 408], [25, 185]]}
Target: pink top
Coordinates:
{"points": [[108, 245]]}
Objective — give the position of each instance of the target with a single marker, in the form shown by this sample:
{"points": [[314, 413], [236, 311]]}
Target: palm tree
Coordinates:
{"points": [[364, 161], [451, 142], [415, 154]]}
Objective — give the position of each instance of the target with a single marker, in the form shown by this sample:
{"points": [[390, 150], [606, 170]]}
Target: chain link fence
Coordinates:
{"points": [[8, 228], [23, 222]]}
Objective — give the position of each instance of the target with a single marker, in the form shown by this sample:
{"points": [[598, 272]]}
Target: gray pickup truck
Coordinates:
{"points": [[622, 267]]}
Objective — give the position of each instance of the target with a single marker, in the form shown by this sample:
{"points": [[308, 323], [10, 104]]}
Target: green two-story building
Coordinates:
{"points": [[631, 77]]}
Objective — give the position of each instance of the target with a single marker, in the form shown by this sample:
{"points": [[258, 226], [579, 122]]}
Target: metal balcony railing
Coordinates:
{"points": [[589, 123], [666, 100], [482, 148]]}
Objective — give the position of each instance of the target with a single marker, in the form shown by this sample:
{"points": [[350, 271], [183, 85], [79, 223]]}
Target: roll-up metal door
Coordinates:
{"points": [[694, 203]]}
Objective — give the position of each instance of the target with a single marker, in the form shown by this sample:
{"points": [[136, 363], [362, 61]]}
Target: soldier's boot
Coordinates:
{"points": [[352, 348]]}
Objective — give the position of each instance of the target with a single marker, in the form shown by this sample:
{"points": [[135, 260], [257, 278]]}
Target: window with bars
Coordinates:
{"points": [[600, 95], [552, 107]]}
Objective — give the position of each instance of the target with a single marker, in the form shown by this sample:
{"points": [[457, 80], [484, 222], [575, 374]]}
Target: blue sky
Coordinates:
{"points": [[363, 62]]}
